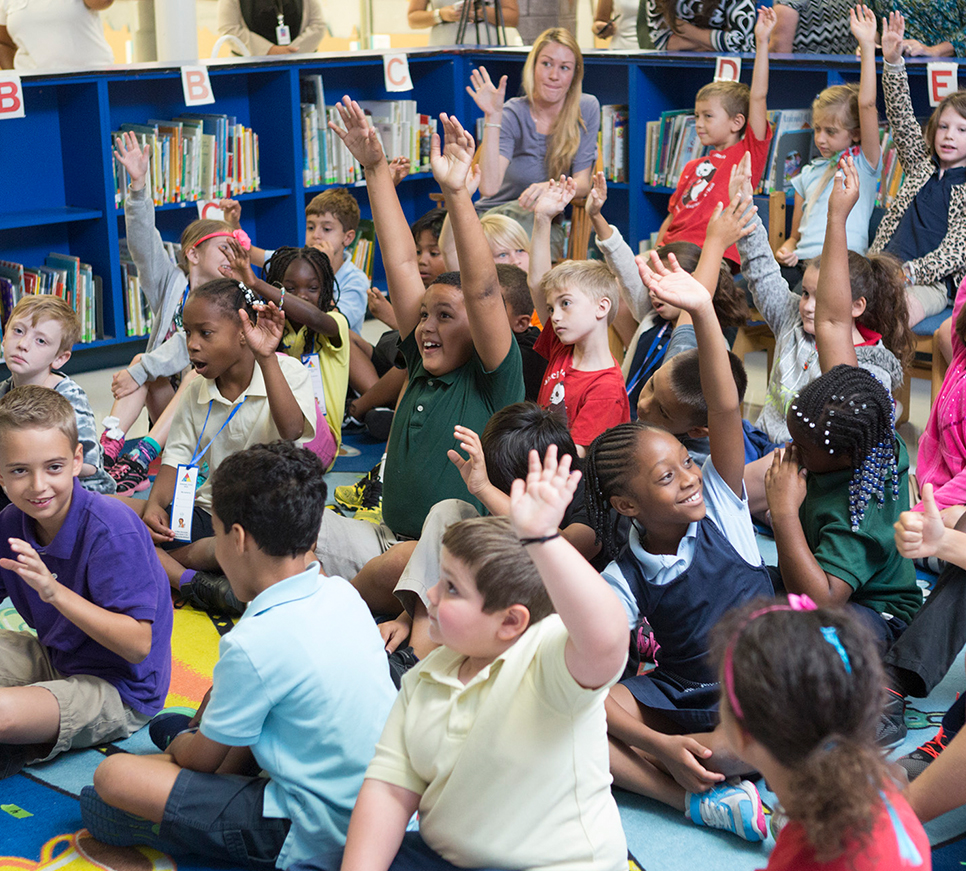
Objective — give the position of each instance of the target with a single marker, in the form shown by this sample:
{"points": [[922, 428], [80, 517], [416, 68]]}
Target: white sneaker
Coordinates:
{"points": [[734, 806]]}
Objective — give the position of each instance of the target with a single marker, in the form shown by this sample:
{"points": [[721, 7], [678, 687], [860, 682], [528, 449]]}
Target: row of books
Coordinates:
{"points": [[403, 131], [612, 142], [61, 275], [193, 157], [137, 312]]}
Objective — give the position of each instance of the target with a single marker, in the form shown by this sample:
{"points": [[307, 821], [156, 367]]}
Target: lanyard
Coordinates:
{"points": [[198, 454], [643, 367]]}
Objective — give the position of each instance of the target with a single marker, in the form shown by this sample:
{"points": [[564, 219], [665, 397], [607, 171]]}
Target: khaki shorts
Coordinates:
{"points": [[91, 710], [933, 297]]}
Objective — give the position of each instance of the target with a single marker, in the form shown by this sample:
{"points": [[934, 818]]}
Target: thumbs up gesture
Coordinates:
{"points": [[920, 533]]}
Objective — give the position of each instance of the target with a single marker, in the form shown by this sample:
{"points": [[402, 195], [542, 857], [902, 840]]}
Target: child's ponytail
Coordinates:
{"points": [[879, 278]]}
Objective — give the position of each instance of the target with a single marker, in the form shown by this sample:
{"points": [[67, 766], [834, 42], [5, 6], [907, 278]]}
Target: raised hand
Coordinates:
{"points": [[893, 30], [473, 469], [128, 152], [845, 190], [863, 25], [359, 136], [487, 96], [672, 285], [919, 533], [398, 169], [32, 569], [239, 266], [785, 482], [537, 505], [767, 19], [549, 199], [597, 196], [232, 211], [264, 335], [451, 164], [740, 180], [732, 222]]}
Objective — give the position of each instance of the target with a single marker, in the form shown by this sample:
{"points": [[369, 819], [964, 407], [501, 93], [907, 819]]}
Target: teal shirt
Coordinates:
{"points": [[866, 560], [930, 21], [418, 472]]}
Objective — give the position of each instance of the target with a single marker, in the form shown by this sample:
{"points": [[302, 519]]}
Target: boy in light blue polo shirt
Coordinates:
{"points": [[302, 685]]}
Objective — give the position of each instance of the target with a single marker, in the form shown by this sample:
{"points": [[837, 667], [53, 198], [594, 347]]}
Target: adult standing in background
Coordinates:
{"points": [[702, 25], [623, 30], [272, 26], [53, 34], [549, 132], [813, 27], [444, 16], [934, 28]]}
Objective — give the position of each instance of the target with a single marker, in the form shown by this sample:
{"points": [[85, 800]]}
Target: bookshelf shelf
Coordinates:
{"points": [[58, 157], [42, 217]]}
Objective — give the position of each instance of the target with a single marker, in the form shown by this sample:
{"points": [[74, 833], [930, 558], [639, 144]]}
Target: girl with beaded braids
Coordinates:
{"points": [[836, 491], [301, 283], [801, 696], [691, 555]]}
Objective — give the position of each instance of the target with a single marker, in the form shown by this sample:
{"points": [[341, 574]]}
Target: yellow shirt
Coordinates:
{"points": [[512, 768], [333, 366], [251, 425]]}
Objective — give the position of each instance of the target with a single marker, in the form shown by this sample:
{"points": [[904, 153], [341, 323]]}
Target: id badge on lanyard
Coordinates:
{"points": [[311, 363], [282, 34], [186, 483]]}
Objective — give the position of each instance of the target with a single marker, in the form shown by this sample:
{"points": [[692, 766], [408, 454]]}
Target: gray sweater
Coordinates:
{"points": [[163, 285], [796, 357]]}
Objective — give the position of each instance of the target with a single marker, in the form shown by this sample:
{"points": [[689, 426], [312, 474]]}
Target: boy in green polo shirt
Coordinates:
{"points": [[455, 335]]}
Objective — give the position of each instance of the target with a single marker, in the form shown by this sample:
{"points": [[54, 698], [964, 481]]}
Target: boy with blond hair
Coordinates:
{"points": [[498, 738], [576, 302], [38, 340], [732, 120], [82, 572]]}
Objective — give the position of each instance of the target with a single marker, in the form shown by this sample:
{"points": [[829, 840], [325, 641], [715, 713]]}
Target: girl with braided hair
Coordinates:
{"points": [[836, 491], [301, 283], [691, 555], [801, 696]]}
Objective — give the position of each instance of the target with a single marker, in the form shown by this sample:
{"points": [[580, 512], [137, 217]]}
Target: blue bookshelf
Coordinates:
{"points": [[57, 193]]}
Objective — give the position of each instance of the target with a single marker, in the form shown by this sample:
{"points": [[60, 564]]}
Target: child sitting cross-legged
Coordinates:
{"points": [[81, 571], [503, 725], [691, 555], [301, 688], [576, 302]]}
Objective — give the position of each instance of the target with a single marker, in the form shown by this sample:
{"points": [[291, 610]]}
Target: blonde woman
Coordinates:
{"points": [[549, 132]]}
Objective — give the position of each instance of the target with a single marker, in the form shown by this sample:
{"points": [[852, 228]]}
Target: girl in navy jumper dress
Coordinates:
{"points": [[691, 555]]}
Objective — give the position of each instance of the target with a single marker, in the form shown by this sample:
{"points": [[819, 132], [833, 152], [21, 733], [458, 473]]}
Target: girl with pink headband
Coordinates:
{"points": [[154, 378], [801, 698]]}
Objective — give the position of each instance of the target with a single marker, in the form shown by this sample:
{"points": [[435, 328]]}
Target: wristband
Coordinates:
{"points": [[437, 18], [488, 124], [281, 300], [546, 538]]}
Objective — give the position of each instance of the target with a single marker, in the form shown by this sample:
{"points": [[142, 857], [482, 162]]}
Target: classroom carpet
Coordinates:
{"points": [[41, 827]]}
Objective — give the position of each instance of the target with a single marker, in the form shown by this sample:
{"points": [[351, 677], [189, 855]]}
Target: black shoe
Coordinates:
{"points": [[400, 661], [918, 761], [212, 593], [13, 757], [379, 422], [892, 725], [165, 728]]}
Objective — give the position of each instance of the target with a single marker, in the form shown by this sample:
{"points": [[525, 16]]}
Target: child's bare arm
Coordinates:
{"points": [[758, 99], [725, 432], [863, 24], [396, 242], [551, 201], [732, 221], [595, 619], [232, 211], [155, 514], [379, 819], [263, 338], [833, 303], [489, 325], [195, 752], [801, 572], [921, 534], [120, 633]]}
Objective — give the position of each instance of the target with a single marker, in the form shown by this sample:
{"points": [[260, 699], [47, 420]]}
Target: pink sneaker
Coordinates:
{"points": [[130, 475], [112, 449]]}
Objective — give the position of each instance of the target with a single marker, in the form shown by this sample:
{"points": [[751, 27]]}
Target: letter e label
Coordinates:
{"points": [[942, 80], [727, 69], [11, 96], [196, 85]]}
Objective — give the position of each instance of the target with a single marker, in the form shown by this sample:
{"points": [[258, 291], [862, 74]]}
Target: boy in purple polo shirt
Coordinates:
{"points": [[81, 570]]}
